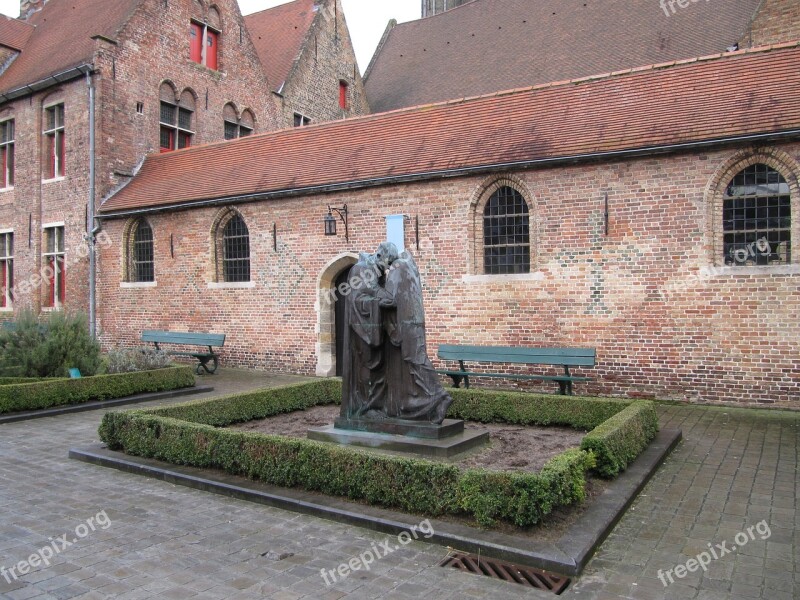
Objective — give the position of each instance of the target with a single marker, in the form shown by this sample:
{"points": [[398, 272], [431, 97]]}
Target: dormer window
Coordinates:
{"points": [[204, 45]]}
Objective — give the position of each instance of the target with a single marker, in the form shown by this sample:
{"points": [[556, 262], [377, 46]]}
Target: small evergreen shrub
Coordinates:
{"points": [[130, 360], [50, 348]]}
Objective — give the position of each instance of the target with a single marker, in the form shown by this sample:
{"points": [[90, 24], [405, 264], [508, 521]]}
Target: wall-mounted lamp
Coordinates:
{"points": [[330, 221]]}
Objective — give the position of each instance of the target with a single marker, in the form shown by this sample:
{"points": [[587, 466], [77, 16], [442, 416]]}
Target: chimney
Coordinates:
{"points": [[28, 7]]}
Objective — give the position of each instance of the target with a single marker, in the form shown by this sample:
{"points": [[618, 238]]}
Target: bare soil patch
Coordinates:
{"points": [[512, 447]]}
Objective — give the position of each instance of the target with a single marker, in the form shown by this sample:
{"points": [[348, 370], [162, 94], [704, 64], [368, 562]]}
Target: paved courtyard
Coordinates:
{"points": [[138, 538]]}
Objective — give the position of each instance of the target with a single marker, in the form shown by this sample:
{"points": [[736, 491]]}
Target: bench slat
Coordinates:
{"points": [[574, 357], [185, 338], [513, 376]]}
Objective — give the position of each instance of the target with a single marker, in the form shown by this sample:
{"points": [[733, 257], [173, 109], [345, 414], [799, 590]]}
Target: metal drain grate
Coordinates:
{"points": [[527, 576]]}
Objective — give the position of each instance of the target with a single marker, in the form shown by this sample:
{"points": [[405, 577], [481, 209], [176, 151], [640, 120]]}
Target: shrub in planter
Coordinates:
{"points": [[130, 360], [50, 348]]}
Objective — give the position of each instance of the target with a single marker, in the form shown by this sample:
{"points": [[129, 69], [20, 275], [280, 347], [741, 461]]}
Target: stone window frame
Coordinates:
{"points": [[184, 102], [209, 20], [7, 151], [6, 269], [55, 151], [237, 124], [477, 207], [778, 160], [217, 243], [129, 271]]}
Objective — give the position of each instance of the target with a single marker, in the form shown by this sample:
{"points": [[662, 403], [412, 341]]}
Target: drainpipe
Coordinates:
{"points": [[90, 225]]}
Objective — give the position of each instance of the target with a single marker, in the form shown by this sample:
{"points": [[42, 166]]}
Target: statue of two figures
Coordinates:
{"points": [[387, 371]]}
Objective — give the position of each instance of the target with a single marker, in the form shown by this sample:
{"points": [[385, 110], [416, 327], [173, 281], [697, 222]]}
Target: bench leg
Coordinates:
{"points": [[562, 385], [456, 380], [203, 366]]}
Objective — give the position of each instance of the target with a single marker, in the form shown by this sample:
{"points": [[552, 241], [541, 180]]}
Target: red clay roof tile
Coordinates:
{"points": [[489, 45], [63, 38], [278, 35], [14, 33], [744, 93]]}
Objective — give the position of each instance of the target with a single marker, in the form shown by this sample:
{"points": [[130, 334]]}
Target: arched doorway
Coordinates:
{"points": [[330, 329], [338, 318]]}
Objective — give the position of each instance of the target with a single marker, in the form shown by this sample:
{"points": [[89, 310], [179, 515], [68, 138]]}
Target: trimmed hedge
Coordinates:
{"points": [[191, 434], [61, 392], [519, 408], [620, 439], [15, 380]]}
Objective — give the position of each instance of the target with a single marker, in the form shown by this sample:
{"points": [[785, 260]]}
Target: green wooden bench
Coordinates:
{"points": [[190, 339], [556, 357]]}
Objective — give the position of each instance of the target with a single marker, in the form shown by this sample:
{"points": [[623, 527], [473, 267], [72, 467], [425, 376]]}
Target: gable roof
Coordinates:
{"points": [[490, 45], [62, 38], [658, 108], [278, 34], [14, 33]]}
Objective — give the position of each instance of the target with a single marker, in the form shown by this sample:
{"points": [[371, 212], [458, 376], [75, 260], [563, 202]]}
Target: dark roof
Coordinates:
{"points": [[491, 45], [278, 35], [744, 93], [14, 33], [62, 38]]}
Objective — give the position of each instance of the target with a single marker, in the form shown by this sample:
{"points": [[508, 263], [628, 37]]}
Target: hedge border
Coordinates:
{"points": [[191, 434], [64, 392]]}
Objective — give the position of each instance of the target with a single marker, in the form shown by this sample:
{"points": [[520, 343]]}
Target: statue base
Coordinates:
{"points": [[428, 447], [416, 429]]}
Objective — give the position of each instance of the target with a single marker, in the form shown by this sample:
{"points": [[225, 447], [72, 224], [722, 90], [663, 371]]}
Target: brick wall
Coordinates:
{"points": [[662, 327], [151, 48], [327, 57], [776, 21]]}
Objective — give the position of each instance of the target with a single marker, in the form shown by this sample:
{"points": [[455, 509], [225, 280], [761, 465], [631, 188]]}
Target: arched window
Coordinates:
{"points": [[142, 264], [177, 115], [236, 126], [757, 218], [506, 233], [236, 250]]}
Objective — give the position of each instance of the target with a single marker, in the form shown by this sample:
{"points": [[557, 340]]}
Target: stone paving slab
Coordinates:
{"points": [[734, 469]]}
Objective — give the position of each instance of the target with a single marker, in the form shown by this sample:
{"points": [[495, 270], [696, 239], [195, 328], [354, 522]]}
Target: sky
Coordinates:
{"points": [[366, 19]]}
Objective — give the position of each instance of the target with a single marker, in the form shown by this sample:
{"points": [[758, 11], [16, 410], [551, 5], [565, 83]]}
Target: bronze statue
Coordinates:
{"points": [[387, 371]]}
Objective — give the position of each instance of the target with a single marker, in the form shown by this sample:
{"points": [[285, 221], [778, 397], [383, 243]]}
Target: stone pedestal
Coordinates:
{"points": [[420, 438]]}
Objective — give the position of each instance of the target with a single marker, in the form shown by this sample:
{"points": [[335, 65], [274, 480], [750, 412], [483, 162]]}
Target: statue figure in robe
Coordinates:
{"points": [[364, 372], [414, 390]]}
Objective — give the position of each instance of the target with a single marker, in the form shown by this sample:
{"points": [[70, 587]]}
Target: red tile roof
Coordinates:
{"points": [[744, 93], [62, 38], [278, 35], [14, 33], [490, 45]]}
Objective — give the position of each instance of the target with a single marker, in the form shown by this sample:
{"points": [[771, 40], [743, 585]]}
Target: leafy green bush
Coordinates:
{"points": [[49, 349], [130, 360], [620, 439], [61, 392]]}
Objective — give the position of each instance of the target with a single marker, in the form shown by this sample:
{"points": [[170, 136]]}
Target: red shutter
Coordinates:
{"points": [[196, 43], [5, 289], [51, 261], [62, 281], [343, 95], [62, 147], [51, 149], [212, 50], [4, 175]]}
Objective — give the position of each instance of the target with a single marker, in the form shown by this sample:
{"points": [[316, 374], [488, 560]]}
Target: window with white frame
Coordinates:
{"points": [[7, 153], [55, 141], [6, 268], [54, 259]]}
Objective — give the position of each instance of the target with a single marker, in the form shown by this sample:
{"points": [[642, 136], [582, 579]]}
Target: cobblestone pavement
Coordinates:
{"points": [[735, 469]]}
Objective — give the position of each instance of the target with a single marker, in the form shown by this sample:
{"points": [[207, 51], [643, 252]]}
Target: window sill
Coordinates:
{"points": [[7, 189], [51, 308], [54, 180], [708, 272], [137, 284], [6, 309], [537, 276], [239, 285]]}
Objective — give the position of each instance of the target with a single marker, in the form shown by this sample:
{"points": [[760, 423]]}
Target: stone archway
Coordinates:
{"points": [[326, 317]]}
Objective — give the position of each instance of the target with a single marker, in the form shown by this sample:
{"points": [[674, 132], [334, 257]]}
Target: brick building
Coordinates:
{"points": [[88, 88], [308, 56], [489, 45], [650, 214]]}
